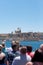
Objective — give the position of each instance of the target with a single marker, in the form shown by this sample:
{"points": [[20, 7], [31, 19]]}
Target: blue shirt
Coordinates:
{"points": [[11, 55], [21, 60]]}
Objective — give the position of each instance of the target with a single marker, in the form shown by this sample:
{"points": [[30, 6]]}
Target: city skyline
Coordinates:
{"points": [[25, 14]]}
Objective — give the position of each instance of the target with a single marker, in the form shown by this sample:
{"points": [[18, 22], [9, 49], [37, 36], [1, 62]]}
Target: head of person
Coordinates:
{"points": [[29, 48], [17, 43], [23, 50], [14, 46], [0, 47], [3, 44], [38, 56], [41, 47], [29, 63]]}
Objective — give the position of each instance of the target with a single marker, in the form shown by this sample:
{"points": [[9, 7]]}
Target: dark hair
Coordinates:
{"points": [[29, 48], [38, 56], [13, 46], [3, 45]]}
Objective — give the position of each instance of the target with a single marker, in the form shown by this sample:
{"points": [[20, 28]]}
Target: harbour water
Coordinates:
{"points": [[35, 44]]}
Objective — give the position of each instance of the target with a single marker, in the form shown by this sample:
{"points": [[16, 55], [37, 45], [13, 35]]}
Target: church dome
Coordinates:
{"points": [[18, 30]]}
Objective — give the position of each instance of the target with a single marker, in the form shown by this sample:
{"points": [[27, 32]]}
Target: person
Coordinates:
{"points": [[23, 58], [29, 51], [12, 54], [18, 46], [3, 59], [37, 63], [3, 47], [38, 56], [29, 63], [41, 47]]}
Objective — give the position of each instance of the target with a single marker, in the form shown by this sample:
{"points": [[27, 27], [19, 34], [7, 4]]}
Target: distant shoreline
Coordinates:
{"points": [[30, 36]]}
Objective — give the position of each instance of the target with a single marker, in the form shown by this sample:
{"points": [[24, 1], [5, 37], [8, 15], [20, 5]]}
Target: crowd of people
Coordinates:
{"points": [[20, 55]]}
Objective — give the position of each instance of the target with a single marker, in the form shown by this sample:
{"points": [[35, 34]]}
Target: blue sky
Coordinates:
{"points": [[26, 14]]}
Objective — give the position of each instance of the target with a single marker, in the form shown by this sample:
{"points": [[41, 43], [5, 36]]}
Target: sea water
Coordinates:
{"points": [[35, 44]]}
